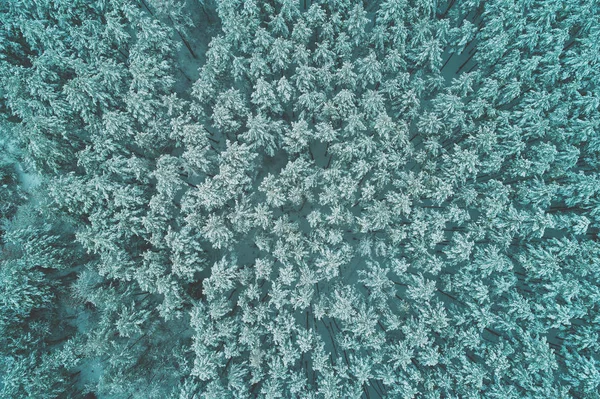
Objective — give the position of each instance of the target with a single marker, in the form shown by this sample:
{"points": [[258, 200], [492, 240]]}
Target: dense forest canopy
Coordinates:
{"points": [[299, 199]]}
